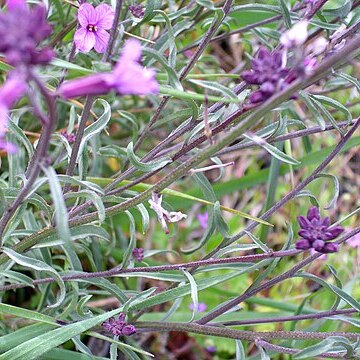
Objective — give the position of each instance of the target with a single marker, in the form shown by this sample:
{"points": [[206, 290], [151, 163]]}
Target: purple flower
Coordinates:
{"points": [[12, 90], [201, 307], [119, 326], [211, 349], [315, 232], [137, 11], [128, 77], [138, 254], [21, 31], [203, 219], [69, 137], [94, 22], [269, 72], [128, 330]]}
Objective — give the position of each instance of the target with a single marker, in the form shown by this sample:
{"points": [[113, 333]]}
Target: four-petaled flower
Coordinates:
{"points": [[128, 77], [316, 232], [164, 216], [93, 25]]}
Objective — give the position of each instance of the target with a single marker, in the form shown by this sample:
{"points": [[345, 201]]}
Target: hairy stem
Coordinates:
{"points": [[39, 156], [149, 269], [251, 292], [241, 334]]}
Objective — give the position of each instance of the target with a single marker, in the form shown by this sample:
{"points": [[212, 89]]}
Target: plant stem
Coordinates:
{"points": [[318, 315], [286, 275], [39, 156], [338, 58], [241, 334], [90, 99], [284, 350], [205, 41], [113, 31], [149, 269]]}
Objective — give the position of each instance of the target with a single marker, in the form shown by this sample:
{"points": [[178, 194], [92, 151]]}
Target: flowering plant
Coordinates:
{"points": [[157, 162]]}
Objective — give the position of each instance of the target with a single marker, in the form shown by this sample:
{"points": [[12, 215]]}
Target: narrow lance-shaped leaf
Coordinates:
{"points": [[39, 266]]}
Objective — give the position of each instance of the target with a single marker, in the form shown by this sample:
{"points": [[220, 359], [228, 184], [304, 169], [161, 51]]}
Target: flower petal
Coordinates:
{"points": [[96, 84], [8, 147], [131, 51], [4, 119], [12, 90], [84, 40], [313, 213], [302, 244], [104, 16], [86, 15], [303, 222], [101, 40]]}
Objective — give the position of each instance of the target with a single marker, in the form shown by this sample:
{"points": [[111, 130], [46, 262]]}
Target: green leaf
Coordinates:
{"points": [[240, 352], [148, 166], [26, 333], [94, 198], [18, 277], [334, 289], [132, 241], [120, 344], [61, 217], [185, 289], [39, 266], [215, 86], [321, 347], [285, 13], [273, 150], [26, 314], [193, 292], [78, 232], [258, 242], [39, 345], [145, 217], [95, 127], [336, 184], [165, 90], [63, 64]]}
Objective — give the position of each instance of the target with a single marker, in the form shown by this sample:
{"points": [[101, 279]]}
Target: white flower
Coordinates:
{"points": [[296, 36], [317, 46], [163, 215]]}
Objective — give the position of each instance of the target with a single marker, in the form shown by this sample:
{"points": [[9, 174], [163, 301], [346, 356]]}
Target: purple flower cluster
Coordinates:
{"points": [[137, 11], [21, 31], [268, 71], [138, 254], [316, 233], [118, 326]]}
